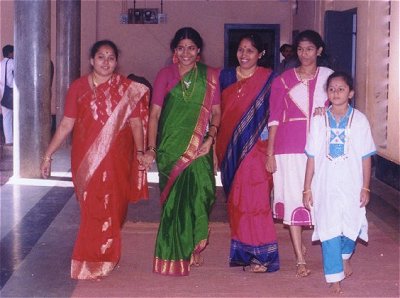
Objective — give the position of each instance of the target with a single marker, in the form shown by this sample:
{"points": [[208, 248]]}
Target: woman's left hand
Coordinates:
{"points": [[364, 198], [205, 147]]}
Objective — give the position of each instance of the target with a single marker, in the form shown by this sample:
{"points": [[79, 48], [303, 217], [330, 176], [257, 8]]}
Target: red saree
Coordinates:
{"points": [[248, 187], [104, 168]]}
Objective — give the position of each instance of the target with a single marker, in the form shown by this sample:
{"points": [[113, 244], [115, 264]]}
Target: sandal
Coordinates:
{"points": [[302, 270]]}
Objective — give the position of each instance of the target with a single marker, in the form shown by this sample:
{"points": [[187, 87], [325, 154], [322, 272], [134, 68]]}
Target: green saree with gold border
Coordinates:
{"points": [[187, 183]]}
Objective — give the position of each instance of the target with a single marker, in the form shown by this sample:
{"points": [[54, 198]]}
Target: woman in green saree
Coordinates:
{"points": [[184, 119]]}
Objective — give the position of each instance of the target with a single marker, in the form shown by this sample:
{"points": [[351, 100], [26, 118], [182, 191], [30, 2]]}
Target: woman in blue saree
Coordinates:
{"points": [[241, 150]]}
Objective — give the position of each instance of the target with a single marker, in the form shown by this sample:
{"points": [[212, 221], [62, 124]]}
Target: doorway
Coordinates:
{"points": [[340, 38]]}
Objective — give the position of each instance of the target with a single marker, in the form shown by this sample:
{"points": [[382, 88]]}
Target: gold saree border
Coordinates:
{"points": [[91, 270], [171, 267]]}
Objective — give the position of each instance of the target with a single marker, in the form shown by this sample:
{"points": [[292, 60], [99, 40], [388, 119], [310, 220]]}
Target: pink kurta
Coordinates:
{"points": [[292, 104]]}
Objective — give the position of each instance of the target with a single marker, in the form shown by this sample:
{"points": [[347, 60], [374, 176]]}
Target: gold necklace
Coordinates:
{"points": [[95, 84], [186, 83], [241, 76], [305, 77], [239, 87]]}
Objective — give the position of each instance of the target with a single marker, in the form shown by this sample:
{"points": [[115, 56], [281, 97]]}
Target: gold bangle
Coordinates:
{"points": [[47, 158], [367, 189], [306, 191], [210, 136], [151, 148], [216, 127]]}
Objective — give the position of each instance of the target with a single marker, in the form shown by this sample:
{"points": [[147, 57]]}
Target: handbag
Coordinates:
{"points": [[7, 99]]}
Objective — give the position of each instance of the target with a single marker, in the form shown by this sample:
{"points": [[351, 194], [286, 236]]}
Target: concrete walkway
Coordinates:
{"points": [[39, 223]]}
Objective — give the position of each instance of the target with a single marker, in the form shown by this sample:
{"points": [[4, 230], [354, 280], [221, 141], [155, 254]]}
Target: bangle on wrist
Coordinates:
{"points": [[270, 154], [216, 126], [306, 191], [140, 151], [151, 148], [367, 189], [212, 137], [47, 158]]}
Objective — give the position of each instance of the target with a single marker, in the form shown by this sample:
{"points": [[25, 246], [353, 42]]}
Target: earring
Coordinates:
{"points": [[175, 58]]}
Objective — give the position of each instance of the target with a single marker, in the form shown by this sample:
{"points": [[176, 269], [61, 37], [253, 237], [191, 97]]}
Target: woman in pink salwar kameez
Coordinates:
{"points": [[295, 95]]}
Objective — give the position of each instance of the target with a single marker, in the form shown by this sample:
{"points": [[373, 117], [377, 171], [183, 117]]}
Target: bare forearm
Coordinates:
{"points": [[65, 127], [309, 173], [137, 132], [155, 112], [366, 168], [215, 121], [271, 140]]}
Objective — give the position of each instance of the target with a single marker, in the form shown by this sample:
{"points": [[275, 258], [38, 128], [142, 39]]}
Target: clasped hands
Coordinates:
{"points": [[146, 160]]}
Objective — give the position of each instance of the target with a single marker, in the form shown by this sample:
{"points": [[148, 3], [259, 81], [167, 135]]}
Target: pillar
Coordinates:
{"points": [[32, 119], [68, 51]]}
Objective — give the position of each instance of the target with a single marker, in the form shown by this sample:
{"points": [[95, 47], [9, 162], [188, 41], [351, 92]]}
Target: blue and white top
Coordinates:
{"points": [[338, 148]]}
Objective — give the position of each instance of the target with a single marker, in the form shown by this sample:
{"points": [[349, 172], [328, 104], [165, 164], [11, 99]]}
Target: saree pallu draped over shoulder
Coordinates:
{"points": [[241, 153], [187, 183], [105, 171]]}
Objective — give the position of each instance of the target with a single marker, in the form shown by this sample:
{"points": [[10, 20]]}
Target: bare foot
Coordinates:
{"points": [[256, 268], [336, 287], [196, 259], [302, 270], [348, 270]]}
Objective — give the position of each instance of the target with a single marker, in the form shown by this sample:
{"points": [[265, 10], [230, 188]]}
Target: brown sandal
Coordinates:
{"points": [[302, 270]]}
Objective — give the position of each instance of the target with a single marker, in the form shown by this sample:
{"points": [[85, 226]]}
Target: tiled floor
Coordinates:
{"points": [[39, 220]]}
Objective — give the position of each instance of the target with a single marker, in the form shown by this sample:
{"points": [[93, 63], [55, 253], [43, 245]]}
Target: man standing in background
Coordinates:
{"points": [[7, 64]]}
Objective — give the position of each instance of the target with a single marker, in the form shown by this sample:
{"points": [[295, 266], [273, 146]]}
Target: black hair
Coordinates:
{"points": [[186, 33], [97, 45], [310, 36], [344, 75], [255, 40], [313, 37], [284, 46], [7, 50]]}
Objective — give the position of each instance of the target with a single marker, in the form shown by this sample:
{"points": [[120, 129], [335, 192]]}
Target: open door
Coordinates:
{"points": [[340, 39]]}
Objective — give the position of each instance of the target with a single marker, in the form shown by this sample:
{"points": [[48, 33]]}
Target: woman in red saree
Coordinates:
{"points": [[241, 151], [108, 114]]}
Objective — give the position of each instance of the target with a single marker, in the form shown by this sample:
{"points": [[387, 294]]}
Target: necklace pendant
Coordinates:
{"points": [[187, 84]]}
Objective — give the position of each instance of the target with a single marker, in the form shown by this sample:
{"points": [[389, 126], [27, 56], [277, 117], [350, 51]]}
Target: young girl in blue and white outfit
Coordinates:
{"points": [[336, 188]]}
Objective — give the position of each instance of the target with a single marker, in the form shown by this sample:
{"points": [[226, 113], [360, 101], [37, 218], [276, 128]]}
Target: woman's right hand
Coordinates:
{"points": [[307, 199], [270, 164], [148, 159], [45, 168]]}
